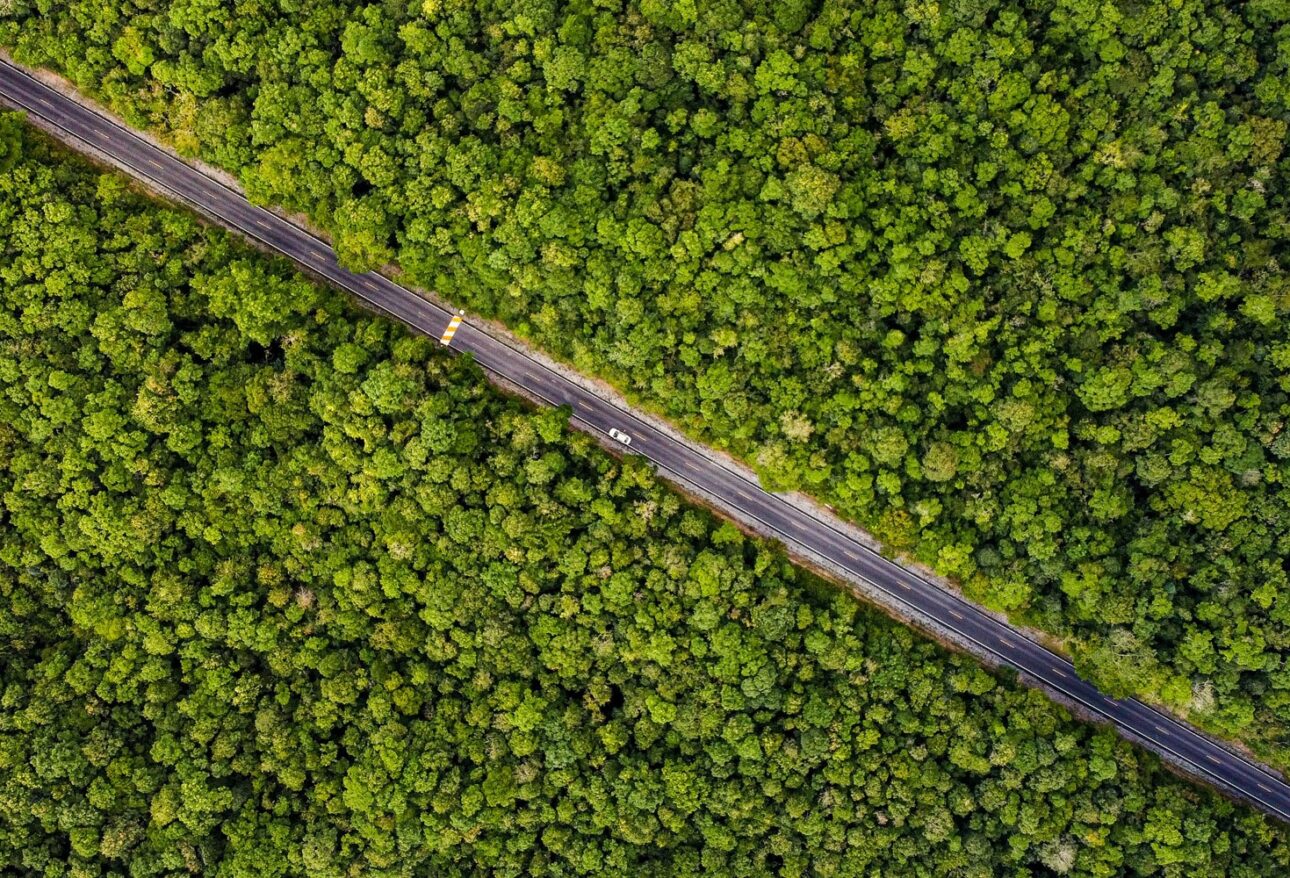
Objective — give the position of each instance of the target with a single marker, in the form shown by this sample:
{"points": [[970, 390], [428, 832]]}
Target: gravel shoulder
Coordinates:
{"points": [[611, 395]]}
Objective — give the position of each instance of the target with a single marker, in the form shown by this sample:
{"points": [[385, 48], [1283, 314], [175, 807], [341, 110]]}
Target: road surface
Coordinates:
{"points": [[801, 531]]}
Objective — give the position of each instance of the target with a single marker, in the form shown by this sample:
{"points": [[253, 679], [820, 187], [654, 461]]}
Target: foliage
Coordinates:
{"points": [[10, 140], [302, 595], [1035, 248]]}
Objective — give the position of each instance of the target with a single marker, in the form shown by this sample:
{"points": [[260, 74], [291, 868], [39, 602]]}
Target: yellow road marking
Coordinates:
{"points": [[451, 330]]}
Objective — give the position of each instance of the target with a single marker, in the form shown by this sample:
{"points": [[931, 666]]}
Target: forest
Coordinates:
{"points": [[285, 590], [1002, 281]]}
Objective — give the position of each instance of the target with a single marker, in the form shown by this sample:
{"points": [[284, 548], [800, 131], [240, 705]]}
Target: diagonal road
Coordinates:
{"points": [[805, 534]]}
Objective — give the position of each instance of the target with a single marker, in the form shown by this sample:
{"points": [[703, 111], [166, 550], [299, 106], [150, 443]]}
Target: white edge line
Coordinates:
{"points": [[628, 412]]}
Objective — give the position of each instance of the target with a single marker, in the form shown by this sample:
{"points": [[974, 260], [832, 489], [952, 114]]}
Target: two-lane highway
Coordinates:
{"points": [[805, 534]]}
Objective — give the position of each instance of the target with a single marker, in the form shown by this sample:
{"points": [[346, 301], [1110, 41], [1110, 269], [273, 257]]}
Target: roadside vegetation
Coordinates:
{"points": [[1003, 282], [285, 590]]}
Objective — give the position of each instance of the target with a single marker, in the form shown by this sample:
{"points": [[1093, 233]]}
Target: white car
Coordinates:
{"points": [[620, 436]]}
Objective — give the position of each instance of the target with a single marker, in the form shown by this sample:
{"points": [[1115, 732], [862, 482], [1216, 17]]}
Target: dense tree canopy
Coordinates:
{"points": [[1003, 281], [284, 590]]}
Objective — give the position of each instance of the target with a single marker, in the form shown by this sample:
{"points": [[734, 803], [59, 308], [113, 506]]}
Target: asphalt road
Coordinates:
{"points": [[803, 533]]}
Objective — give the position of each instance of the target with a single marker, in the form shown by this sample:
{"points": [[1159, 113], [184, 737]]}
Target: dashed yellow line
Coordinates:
{"points": [[448, 333]]}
